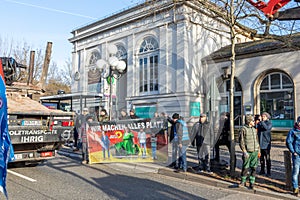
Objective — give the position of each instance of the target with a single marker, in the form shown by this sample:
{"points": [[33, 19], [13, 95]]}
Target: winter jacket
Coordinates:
{"points": [[293, 140], [202, 133], [176, 127], [264, 134], [248, 139]]}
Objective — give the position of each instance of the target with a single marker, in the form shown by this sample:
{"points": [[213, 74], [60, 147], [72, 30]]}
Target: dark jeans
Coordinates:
{"points": [[75, 140], [182, 158], [85, 151], [265, 159], [217, 149], [175, 153]]}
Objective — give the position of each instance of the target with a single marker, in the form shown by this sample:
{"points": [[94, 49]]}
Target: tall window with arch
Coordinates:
{"points": [[94, 74], [121, 53], [276, 98], [148, 66]]}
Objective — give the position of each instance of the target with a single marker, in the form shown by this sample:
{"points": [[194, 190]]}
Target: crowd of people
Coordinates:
{"points": [[254, 141]]}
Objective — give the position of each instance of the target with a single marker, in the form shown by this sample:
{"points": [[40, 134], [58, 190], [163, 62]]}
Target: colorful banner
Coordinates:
{"points": [[123, 141]]}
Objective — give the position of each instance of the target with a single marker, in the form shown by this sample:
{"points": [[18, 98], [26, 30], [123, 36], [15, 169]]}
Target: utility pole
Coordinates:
{"points": [[46, 64], [31, 67]]}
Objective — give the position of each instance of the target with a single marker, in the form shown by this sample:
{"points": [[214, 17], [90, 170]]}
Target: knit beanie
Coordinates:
{"points": [[248, 119], [266, 114]]}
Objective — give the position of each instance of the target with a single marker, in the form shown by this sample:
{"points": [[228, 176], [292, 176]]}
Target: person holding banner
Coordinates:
{"points": [[84, 140], [103, 116]]}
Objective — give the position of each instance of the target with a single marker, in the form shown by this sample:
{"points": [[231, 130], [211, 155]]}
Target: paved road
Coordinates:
{"points": [[66, 178]]}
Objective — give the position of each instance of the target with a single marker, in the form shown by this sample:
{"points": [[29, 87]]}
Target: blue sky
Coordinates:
{"points": [[39, 21]]}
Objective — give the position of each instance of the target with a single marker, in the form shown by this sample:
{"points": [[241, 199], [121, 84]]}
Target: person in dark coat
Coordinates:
{"points": [[175, 138], [264, 137], [224, 137], [202, 135]]}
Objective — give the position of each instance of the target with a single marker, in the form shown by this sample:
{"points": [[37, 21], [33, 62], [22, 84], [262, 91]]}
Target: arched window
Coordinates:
{"points": [[95, 55], [121, 53], [94, 75], [148, 66], [276, 97]]}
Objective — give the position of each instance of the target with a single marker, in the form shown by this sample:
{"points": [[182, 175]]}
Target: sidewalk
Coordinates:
{"points": [[273, 186]]}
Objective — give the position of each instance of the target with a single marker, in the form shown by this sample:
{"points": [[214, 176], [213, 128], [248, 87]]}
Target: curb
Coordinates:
{"points": [[69, 154], [207, 180]]}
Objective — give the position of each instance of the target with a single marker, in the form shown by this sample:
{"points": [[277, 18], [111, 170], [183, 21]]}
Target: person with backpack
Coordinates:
{"points": [[293, 144], [249, 145], [202, 135]]}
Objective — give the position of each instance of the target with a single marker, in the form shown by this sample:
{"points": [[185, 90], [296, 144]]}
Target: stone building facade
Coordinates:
{"points": [[163, 44]]}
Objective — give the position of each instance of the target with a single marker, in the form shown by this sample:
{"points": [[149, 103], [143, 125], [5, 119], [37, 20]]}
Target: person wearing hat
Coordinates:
{"points": [[264, 127], [293, 144], [249, 145], [202, 135]]}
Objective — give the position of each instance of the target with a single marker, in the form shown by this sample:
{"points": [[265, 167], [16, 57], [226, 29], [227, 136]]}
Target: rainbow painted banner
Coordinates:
{"points": [[120, 142]]}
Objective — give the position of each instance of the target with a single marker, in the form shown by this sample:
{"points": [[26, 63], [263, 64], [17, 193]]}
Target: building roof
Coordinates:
{"points": [[256, 48]]}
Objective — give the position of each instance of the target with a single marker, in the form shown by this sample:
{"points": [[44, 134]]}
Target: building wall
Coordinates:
{"points": [[183, 42], [250, 71]]}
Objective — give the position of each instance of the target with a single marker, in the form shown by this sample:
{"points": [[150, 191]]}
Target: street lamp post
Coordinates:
{"points": [[111, 69]]}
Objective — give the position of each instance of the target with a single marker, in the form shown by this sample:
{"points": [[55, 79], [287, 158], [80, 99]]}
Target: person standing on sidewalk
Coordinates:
{"points": [[293, 144], [176, 132], [202, 135], [264, 136], [251, 151], [83, 135]]}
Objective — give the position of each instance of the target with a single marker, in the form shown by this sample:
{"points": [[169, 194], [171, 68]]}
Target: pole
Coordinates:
{"points": [[46, 65], [288, 169], [31, 66], [110, 94]]}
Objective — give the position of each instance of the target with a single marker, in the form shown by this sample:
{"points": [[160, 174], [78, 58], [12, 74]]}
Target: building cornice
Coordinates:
{"points": [[140, 11], [255, 49]]}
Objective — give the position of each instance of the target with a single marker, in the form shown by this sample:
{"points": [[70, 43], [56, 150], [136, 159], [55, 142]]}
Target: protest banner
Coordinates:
{"points": [[118, 141]]}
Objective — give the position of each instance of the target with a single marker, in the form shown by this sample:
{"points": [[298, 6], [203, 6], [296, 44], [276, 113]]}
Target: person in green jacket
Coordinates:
{"points": [[251, 151], [128, 141]]}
